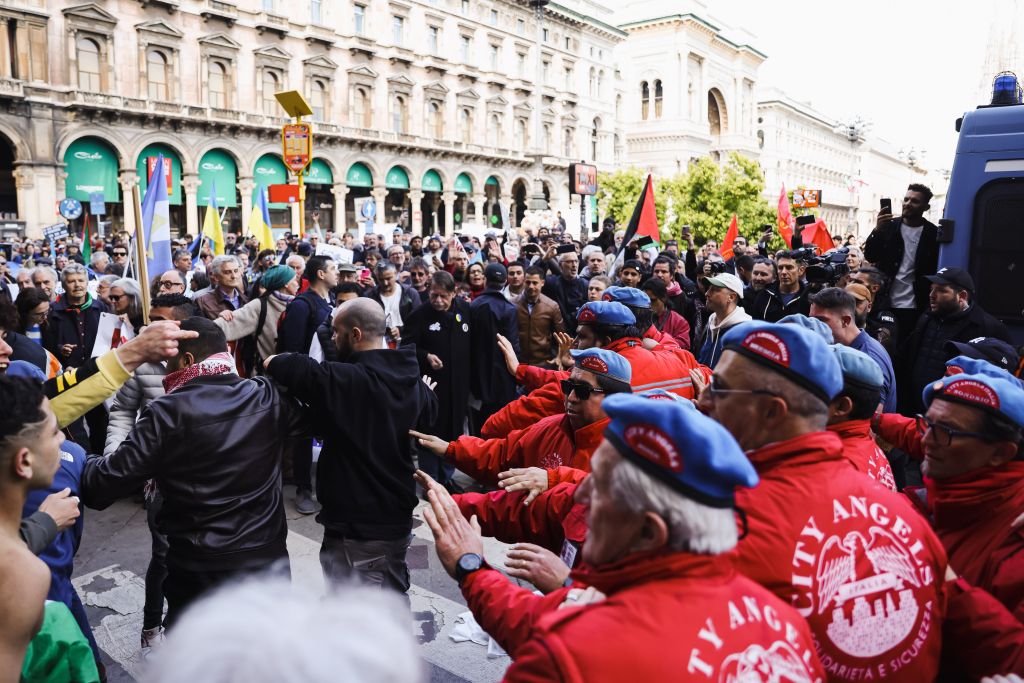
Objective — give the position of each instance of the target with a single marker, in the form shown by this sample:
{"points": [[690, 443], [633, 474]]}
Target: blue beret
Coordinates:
{"points": [[603, 362], [679, 446], [629, 296], [793, 351], [812, 324], [605, 313], [858, 368], [665, 395], [992, 394], [976, 366]]}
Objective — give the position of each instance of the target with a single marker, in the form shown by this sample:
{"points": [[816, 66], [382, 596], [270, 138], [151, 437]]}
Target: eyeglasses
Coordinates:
{"points": [[115, 297], [942, 434], [120, 253], [717, 391], [582, 389], [168, 284]]}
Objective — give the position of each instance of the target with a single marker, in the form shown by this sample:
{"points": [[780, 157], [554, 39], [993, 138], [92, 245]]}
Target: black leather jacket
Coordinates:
{"points": [[214, 447]]}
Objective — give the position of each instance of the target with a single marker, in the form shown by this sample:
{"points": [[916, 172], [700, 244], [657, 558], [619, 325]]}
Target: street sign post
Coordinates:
{"points": [[297, 144]]}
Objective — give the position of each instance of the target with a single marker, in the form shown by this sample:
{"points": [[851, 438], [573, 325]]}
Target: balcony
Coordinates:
{"points": [[220, 10], [316, 33], [402, 55], [362, 44], [171, 6], [275, 23], [10, 87]]}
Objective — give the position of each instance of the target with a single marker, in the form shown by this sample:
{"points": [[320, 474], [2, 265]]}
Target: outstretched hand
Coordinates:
{"points": [[511, 362], [534, 480], [454, 536], [434, 444]]}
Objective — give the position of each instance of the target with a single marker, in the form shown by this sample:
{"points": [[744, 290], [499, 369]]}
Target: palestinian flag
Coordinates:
{"points": [[644, 221]]}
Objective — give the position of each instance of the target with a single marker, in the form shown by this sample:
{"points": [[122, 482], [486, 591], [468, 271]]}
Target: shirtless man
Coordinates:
{"points": [[29, 457]]}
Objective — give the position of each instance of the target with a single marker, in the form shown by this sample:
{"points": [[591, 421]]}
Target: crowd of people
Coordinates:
{"points": [[719, 462]]}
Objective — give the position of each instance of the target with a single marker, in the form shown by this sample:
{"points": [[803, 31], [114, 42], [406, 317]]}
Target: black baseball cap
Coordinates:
{"points": [[954, 277], [995, 351], [495, 272]]}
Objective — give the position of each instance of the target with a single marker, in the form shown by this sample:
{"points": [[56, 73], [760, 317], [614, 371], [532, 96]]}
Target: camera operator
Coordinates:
{"points": [[789, 294]]}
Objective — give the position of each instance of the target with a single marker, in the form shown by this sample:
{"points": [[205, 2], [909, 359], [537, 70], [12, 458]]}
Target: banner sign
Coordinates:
{"points": [[297, 142], [582, 179], [806, 199], [55, 232], [168, 172]]}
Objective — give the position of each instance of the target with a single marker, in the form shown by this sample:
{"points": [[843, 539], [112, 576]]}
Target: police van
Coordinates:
{"points": [[982, 228]]}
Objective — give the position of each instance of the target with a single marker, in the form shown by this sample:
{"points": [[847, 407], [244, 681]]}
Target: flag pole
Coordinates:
{"points": [[140, 254]]}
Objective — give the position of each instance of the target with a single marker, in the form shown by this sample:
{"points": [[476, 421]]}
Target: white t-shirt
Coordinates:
{"points": [[903, 284], [392, 312]]}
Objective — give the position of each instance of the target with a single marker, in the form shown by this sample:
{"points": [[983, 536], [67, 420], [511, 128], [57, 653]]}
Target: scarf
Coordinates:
{"points": [[217, 364], [280, 296], [81, 307]]}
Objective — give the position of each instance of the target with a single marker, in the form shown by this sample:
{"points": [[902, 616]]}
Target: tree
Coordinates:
{"points": [[709, 194]]}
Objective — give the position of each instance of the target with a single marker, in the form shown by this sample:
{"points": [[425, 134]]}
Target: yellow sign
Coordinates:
{"points": [[297, 142]]}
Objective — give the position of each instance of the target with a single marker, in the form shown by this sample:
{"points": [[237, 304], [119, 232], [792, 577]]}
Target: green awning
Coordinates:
{"points": [[463, 184], [91, 165], [432, 181], [492, 181], [397, 179], [358, 176], [153, 151], [217, 172], [270, 170], [318, 173]]}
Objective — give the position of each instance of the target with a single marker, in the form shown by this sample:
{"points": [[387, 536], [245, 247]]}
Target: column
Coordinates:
{"points": [[190, 184], [128, 179], [5, 50], [340, 192], [572, 216], [435, 204], [479, 199], [449, 212], [379, 194], [416, 211], [24, 183], [245, 187]]}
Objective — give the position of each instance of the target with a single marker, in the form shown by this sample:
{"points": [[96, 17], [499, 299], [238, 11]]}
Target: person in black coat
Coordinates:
{"points": [[397, 300], [440, 333], [952, 317], [492, 314], [886, 245]]}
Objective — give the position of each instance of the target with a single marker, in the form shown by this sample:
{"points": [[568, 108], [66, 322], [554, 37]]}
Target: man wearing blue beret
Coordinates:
{"points": [[850, 413], [662, 601], [973, 442], [557, 443], [602, 324], [855, 559]]}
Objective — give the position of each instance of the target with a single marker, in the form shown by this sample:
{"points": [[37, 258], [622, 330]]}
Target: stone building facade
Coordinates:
{"points": [[426, 108]]}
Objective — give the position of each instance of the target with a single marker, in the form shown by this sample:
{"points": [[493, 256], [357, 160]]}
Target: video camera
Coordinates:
{"points": [[826, 269], [716, 267]]}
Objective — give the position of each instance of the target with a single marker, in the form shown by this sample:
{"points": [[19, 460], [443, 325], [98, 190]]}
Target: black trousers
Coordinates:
{"points": [[156, 573], [380, 564], [182, 587]]}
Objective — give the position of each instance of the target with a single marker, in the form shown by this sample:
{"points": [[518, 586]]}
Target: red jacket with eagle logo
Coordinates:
{"points": [[854, 558]]}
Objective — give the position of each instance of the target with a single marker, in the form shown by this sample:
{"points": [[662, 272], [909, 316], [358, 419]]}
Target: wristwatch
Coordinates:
{"points": [[467, 564]]}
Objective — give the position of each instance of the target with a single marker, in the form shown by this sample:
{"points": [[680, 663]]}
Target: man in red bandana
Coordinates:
{"points": [[214, 446]]}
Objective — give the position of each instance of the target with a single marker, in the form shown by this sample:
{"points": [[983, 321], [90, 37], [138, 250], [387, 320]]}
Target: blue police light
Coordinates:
{"points": [[1006, 89]]}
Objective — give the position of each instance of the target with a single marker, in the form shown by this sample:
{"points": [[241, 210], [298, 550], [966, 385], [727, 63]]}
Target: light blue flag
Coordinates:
{"points": [[156, 222]]}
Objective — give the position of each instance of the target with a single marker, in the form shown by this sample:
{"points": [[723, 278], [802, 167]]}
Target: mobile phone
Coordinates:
{"points": [[364, 273], [806, 220], [644, 242], [885, 205]]}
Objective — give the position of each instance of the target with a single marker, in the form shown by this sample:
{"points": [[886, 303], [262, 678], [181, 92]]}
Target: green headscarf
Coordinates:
{"points": [[277, 277]]}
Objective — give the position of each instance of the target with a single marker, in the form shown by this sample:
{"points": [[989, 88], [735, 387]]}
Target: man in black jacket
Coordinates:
{"points": [[397, 300], [492, 314], [364, 408], [787, 296], [907, 251], [307, 310], [213, 444], [440, 333], [952, 317]]}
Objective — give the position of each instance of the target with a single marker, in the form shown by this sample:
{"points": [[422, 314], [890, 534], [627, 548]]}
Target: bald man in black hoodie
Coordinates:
{"points": [[363, 407]]}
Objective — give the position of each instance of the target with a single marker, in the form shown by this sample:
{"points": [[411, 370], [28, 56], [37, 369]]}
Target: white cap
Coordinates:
{"points": [[727, 280]]}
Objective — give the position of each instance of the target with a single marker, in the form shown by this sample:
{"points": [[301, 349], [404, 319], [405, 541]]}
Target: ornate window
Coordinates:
{"points": [[156, 75], [435, 119], [318, 100], [657, 99], [217, 85], [399, 114], [645, 100], [362, 112], [466, 124], [570, 143], [89, 65], [600, 83], [494, 130], [271, 85], [522, 140]]}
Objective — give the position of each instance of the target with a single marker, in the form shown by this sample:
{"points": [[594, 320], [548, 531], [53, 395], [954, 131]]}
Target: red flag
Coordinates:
{"points": [[644, 221], [818, 235], [730, 237], [785, 218]]}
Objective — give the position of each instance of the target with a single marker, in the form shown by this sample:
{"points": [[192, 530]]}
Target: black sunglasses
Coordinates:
{"points": [[582, 389], [115, 297]]}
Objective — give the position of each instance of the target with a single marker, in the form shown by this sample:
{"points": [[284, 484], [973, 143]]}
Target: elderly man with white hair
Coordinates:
{"points": [[662, 600], [227, 293]]}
